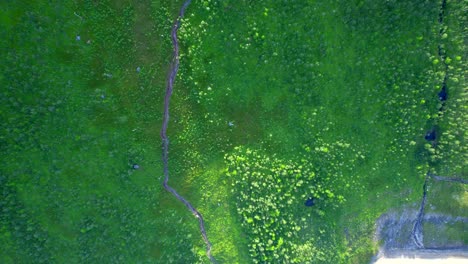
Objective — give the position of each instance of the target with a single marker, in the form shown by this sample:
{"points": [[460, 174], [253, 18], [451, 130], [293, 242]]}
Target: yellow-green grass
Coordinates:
{"points": [[347, 88]]}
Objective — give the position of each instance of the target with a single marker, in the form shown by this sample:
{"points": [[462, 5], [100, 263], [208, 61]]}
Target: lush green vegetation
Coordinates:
{"points": [[449, 157], [329, 99]]}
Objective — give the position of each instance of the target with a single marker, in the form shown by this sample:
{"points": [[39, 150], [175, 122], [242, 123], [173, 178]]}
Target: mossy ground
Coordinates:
{"points": [[346, 89]]}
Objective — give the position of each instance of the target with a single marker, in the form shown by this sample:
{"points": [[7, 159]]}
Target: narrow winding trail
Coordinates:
{"points": [[417, 232], [165, 141]]}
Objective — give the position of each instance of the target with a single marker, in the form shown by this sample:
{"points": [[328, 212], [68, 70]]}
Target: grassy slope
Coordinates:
{"points": [[305, 74], [311, 73], [449, 157], [70, 135]]}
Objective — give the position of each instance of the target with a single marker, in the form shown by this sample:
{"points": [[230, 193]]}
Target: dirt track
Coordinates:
{"points": [[447, 256], [429, 253]]}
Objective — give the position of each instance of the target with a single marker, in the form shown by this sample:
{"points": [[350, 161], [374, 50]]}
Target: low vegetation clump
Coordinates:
{"points": [[268, 191], [270, 194]]}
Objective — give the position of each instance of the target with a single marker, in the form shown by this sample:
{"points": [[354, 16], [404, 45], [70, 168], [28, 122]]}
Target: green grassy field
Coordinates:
{"points": [[329, 99]]}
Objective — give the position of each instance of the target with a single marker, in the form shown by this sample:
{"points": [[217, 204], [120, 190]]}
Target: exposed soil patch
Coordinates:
{"points": [[394, 230]]}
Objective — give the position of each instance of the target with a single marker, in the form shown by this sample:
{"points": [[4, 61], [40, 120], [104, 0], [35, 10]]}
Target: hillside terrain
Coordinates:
{"points": [[302, 131]]}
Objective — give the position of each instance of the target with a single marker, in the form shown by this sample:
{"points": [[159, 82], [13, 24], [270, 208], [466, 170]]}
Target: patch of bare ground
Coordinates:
{"points": [[394, 230]]}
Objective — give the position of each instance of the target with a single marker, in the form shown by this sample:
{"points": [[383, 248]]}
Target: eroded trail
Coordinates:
{"points": [[417, 233], [447, 179], [165, 141]]}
